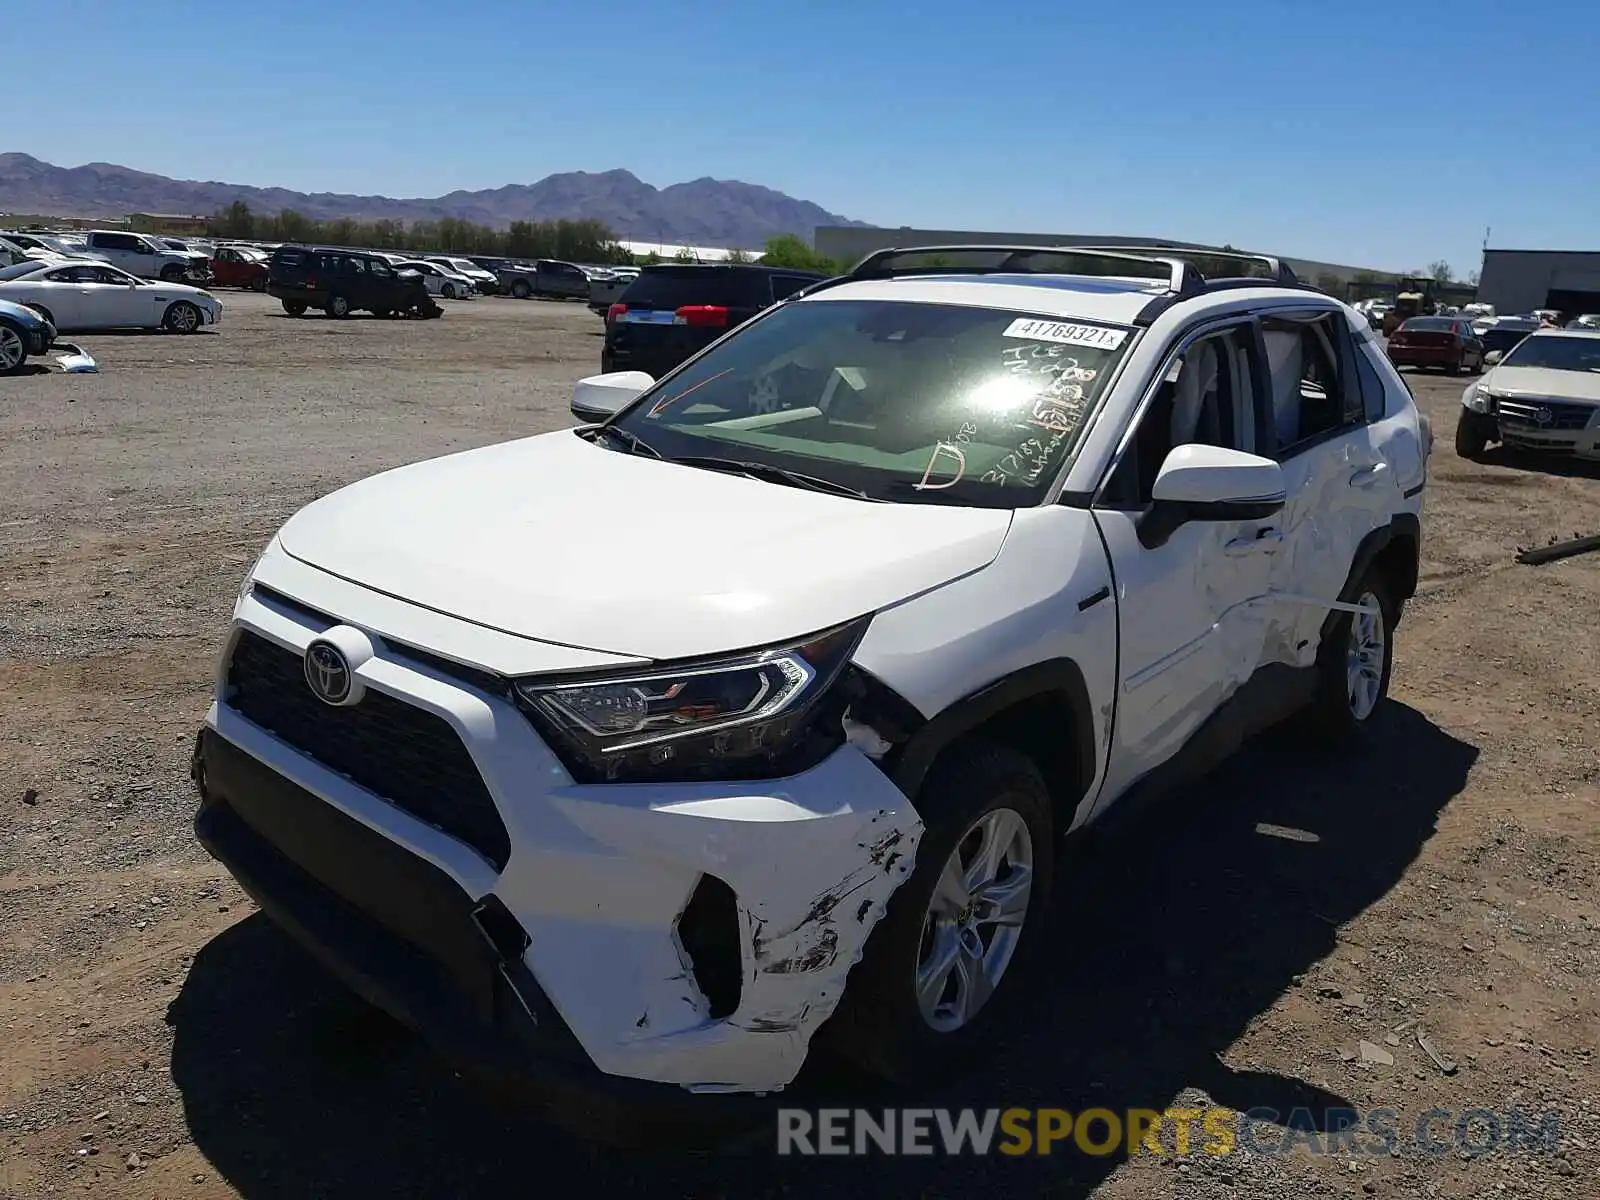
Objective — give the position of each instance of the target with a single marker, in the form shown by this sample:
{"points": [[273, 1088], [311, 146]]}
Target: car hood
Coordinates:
{"points": [[557, 539], [1542, 382]]}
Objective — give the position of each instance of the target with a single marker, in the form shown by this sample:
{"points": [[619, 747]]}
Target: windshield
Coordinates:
{"points": [[1557, 354], [903, 401]]}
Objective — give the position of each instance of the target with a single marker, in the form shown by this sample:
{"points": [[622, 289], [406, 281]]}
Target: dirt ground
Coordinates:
{"points": [[158, 1039]]}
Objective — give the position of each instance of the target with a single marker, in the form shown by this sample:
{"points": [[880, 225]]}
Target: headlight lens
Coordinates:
{"points": [[754, 715], [1479, 399]]}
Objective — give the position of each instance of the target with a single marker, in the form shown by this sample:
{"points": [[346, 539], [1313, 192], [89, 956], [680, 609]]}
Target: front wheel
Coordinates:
{"points": [[521, 290], [13, 348], [294, 308], [1473, 431], [448, 291], [338, 306], [172, 273], [259, 284], [181, 317], [951, 954]]}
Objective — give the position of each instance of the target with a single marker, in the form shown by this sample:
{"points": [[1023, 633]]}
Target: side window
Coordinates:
{"points": [[378, 268], [1207, 397], [107, 275], [353, 266], [784, 286], [1307, 360]]}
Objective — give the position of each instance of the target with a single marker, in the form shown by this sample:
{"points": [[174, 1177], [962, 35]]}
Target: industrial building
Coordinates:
{"points": [[1519, 281], [850, 243]]}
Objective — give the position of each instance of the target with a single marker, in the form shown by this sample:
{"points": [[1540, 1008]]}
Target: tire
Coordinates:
{"points": [[295, 308], [1350, 694], [258, 284], [521, 290], [1455, 367], [448, 291], [338, 306], [13, 348], [172, 273], [181, 317], [1473, 433], [880, 1024]]}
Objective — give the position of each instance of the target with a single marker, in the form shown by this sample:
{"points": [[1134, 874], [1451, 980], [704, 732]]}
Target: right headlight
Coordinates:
{"points": [[1479, 398], [760, 714]]}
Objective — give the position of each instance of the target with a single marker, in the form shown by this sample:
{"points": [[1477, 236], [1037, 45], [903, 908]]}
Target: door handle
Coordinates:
{"points": [[1262, 541], [1369, 476]]}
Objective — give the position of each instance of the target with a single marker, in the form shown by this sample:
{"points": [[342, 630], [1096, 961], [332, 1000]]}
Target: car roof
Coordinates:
{"points": [[1114, 300], [727, 266], [1569, 332]]}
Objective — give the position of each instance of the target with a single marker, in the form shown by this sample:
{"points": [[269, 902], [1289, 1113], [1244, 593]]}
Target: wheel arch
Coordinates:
{"points": [[1395, 550], [1042, 711]]}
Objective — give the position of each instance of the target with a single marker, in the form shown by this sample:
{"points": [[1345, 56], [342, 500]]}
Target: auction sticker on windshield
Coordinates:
{"points": [[1066, 333]]}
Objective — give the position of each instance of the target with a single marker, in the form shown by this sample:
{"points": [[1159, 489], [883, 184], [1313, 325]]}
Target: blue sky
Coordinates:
{"points": [[1382, 134]]}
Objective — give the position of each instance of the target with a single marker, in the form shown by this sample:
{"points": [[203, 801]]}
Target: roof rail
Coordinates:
{"points": [[1176, 275], [1217, 265]]}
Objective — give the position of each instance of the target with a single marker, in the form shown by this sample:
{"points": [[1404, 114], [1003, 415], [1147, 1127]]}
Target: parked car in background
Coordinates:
{"points": [[546, 278], [47, 248], [1376, 311], [1444, 343], [440, 281], [1543, 395], [240, 267], [341, 281], [605, 290], [1585, 321], [77, 295], [24, 332], [673, 311], [142, 255], [482, 281], [1502, 335]]}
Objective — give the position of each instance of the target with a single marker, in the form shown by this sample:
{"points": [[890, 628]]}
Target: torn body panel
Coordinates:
{"points": [[812, 860]]}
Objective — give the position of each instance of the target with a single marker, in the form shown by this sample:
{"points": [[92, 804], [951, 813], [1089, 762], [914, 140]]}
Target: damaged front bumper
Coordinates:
{"points": [[689, 935]]}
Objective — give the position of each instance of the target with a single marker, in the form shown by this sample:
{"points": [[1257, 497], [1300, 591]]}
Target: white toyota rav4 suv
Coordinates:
{"points": [[634, 760]]}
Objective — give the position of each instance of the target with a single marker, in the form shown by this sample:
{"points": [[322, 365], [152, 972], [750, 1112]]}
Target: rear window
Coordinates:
{"points": [[673, 287], [290, 259], [1429, 325]]}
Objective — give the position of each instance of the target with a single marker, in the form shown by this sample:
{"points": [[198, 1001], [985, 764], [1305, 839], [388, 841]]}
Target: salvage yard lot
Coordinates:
{"points": [[157, 1038]]}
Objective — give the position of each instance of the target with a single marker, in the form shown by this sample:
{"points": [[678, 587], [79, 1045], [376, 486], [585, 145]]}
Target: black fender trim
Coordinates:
{"points": [[1402, 526], [913, 760]]}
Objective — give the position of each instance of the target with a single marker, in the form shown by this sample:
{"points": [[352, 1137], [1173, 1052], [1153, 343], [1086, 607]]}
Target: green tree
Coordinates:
{"points": [[1440, 272], [786, 250], [684, 255], [737, 255]]}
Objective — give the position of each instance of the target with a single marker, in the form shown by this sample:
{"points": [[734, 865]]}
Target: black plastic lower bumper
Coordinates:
{"points": [[403, 935]]}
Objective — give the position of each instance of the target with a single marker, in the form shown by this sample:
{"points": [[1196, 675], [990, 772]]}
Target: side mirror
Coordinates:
{"points": [[1210, 483], [599, 396], [1493, 357]]}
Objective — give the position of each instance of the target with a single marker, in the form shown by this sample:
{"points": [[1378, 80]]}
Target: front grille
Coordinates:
{"points": [[408, 757], [1562, 416]]}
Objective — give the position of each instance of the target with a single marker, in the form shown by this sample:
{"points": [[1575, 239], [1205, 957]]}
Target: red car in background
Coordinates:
{"points": [[1446, 342], [239, 266]]}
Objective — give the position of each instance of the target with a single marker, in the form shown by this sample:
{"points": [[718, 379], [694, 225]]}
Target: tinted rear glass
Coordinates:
{"points": [[673, 287], [1429, 325]]}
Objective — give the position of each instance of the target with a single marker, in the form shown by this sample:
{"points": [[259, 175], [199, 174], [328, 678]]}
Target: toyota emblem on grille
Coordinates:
{"points": [[327, 673]]}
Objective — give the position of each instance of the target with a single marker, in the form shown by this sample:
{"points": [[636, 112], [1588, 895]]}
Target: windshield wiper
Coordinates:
{"points": [[755, 470], [633, 441]]}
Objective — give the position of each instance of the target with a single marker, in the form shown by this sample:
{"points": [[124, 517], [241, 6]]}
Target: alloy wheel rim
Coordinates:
{"points": [[974, 920], [11, 348], [1363, 662], [183, 319]]}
